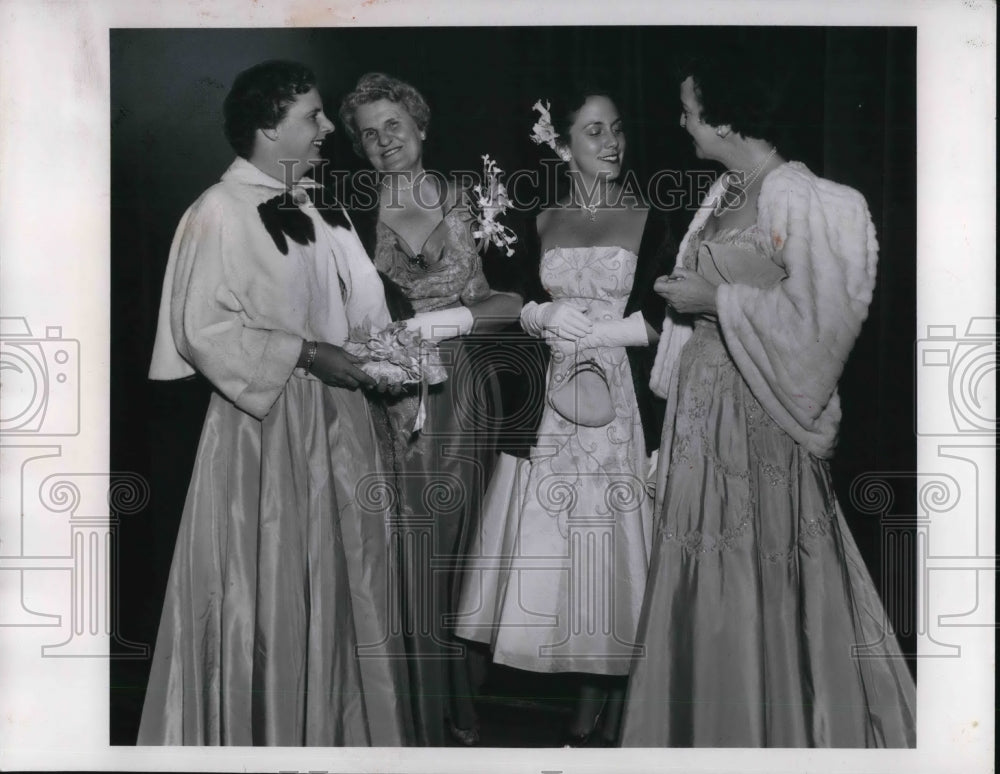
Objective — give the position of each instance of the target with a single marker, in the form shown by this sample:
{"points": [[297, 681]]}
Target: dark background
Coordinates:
{"points": [[854, 121]]}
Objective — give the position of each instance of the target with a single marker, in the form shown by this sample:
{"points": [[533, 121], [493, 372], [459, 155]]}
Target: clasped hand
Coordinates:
{"points": [[563, 320], [339, 368], [687, 292]]}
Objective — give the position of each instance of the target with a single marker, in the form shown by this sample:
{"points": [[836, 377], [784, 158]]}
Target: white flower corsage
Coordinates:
{"points": [[489, 203], [543, 133]]}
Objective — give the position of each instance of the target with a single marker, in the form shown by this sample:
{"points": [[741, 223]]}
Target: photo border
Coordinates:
{"points": [[55, 159]]}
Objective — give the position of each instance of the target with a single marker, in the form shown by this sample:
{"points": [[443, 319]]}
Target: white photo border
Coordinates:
{"points": [[55, 157]]}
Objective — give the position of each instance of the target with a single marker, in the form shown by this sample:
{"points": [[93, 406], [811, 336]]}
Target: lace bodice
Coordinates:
{"points": [[454, 272]]}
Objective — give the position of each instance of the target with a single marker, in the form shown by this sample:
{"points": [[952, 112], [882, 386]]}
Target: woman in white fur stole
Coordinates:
{"points": [[761, 626]]}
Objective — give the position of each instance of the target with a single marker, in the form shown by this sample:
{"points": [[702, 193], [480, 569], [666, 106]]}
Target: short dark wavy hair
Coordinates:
{"points": [[259, 99], [742, 88], [372, 87]]}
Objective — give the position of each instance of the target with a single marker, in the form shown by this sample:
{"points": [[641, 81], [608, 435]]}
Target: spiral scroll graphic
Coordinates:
{"points": [[128, 493], [556, 494], [444, 495], [60, 496], [625, 494], [938, 495], [870, 493], [375, 493]]}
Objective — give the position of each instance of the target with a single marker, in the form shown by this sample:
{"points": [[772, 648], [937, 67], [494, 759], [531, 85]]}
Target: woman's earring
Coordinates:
{"points": [[722, 131], [564, 154], [423, 136]]}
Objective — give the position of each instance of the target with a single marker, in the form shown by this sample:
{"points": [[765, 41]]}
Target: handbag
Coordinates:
{"points": [[582, 394], [736, 265]]}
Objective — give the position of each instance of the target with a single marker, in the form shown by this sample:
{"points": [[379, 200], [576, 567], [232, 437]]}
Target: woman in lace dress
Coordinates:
{"points": [[443, 452], [761, 626], [564, 543]]}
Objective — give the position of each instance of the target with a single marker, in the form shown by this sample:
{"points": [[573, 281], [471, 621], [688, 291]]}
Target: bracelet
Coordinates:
{"points": [[311, 355]]}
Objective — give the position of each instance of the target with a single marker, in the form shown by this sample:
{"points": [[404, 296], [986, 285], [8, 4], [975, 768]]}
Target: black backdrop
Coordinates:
{"points": [[856, 124]]}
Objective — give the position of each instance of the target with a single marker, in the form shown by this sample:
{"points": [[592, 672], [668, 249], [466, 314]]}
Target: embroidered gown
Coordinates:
{"points": [[562, 552], [761, 626], [441, 470]]}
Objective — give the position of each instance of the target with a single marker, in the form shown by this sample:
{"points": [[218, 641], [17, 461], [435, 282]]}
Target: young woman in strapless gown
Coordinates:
{"points": [[565, 534]]}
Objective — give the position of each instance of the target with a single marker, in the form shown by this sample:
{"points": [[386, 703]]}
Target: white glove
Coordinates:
{"points": [[630, 332], [555, 318], [441, 324]]}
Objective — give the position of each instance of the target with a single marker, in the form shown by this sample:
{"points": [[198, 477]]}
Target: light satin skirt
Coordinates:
{"points": [[761, 626], [557, 565], [276, 624]]}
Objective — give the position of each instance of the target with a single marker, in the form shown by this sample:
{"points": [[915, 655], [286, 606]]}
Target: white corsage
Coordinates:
{"points": [[489, 203], [543, 132]]}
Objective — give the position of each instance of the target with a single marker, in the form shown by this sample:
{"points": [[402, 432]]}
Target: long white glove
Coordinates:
{"points": [[555, 318], [630, 332], [441, 324]]}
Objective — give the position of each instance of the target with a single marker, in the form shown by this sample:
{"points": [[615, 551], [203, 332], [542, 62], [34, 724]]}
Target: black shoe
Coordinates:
{"points": [[467, 737]]}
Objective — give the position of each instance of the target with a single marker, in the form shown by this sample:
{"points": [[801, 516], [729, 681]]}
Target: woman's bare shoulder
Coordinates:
{"points": [[549, 218]]}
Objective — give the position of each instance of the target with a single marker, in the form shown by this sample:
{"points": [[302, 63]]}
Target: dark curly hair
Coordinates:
{"points": [[259, 99], [372, 87], [741, 87], [567, 103]]}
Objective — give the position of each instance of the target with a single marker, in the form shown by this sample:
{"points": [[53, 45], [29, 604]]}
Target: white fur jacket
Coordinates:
{"points": [[790, 341]]}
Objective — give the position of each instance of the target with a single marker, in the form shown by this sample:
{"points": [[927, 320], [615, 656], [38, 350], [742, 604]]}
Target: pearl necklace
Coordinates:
{"points": [[722, 203]]}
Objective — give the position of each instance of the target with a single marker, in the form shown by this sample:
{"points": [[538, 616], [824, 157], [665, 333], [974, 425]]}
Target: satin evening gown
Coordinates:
{"points": [[276, 627], [761, 626], [440, 471]]}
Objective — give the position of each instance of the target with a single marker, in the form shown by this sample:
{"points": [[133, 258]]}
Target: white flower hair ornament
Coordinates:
{"points": [[543, 132]]}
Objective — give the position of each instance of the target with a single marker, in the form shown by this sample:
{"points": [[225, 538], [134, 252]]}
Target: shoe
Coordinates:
{"points": [[467, 737], [591, 738]]}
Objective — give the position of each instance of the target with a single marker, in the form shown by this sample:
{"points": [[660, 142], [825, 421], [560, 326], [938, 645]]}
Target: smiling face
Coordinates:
{"points": [[704, 135], [297, 138], [597, 140], [389, 136]]}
